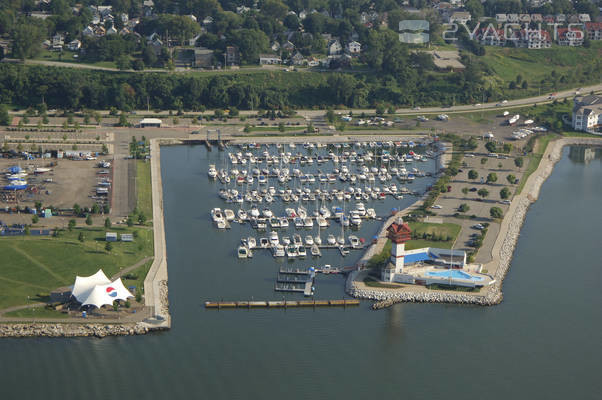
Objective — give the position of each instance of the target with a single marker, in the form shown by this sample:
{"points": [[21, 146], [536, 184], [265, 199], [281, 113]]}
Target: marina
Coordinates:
{"points": [[282, 304]]}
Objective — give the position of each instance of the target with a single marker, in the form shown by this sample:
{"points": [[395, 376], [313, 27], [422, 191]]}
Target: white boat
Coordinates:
{"points": [[254, 212], [315, 250], [343, 250], [274, 240], [318, 240], [286, 240], [322, 222], [283, 222], [242, 215], [309, 240], [297, 241], [331, 240], [354, 242], [301, 252], [278, 251], [229, 214], [212, 171], [267, 212], [251, 242], [308, 222], [341, 240], [291, 251], [216, 215], [264, 242], [242, 252]]}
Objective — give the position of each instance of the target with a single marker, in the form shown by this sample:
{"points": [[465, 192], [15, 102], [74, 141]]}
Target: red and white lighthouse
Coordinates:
{"points": [[399, 233]]}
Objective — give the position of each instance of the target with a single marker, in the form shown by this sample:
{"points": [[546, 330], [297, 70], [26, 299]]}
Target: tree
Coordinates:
{"points": [[123, 120], [483, 161], [380, 109], [518, 161], [141, 218], [505, 193], [107, 223], [511, 179], [491, 147], [492, 177], [130, 221], [465, 190], [4, 117], [108, 247], [281, 127], [472, 174], [330, 115], [72, 224], [26, 39], [89, 220], [500, 165], [483, 193], [35, 219], [123, 62], [95, 208], [463, 207], [496, 212], [81, 237]]}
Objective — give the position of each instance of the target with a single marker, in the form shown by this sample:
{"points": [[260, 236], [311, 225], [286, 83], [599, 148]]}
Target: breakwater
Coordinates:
{"points": [[73, 330], [502, 251]]}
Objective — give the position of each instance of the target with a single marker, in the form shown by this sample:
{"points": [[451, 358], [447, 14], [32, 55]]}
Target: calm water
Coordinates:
{"points": [[543, 341]]}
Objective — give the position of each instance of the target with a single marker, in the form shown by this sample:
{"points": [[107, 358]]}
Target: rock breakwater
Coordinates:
{"points": [[72, 330]]}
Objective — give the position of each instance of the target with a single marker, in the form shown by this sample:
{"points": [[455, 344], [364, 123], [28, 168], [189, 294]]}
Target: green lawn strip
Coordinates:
{"points": [[275, 128], [534, 159], [36, 312], [139, 274], [447, 230], [66, 257], [373, 282], [144, 199], [38, 263]]}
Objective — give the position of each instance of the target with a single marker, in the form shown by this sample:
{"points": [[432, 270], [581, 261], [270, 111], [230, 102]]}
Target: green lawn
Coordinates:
{"points": [[140, 274], [275, 128], [446, 229], [144, 199], [34, 266], [36, 312], [534, 159], [534, 65], [373, 282]]}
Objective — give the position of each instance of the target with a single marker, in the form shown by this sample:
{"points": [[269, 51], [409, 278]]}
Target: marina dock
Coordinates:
{"points": [[281, 303]]}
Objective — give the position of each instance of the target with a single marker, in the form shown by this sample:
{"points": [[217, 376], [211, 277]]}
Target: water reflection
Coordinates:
{"points": [[584, 154]]}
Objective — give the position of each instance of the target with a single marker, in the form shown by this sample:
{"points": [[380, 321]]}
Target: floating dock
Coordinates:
{"points": [[281, 303]]}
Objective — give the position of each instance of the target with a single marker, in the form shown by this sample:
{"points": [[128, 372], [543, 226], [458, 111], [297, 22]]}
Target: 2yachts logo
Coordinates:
{"points": [[414, 31]]}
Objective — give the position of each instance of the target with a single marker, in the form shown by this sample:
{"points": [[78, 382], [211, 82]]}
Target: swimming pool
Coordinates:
{"points": [[454, 274]]}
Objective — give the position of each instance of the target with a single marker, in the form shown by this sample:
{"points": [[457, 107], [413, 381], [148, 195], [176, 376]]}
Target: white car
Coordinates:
{"points": [[437, 206], [505, 201], [478, 226]]}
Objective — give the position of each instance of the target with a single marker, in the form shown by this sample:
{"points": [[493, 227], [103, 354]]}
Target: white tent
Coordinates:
{"points": [[85, 284], [107, 294]]}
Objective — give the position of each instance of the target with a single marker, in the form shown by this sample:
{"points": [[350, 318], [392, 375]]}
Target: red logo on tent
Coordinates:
{"points": [[111, 291]]}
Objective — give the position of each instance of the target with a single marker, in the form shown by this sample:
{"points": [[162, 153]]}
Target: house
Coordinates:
{"points": [[313, 62], [513, 18], [573, 19], [501, 18], [269, 59], [74, 45], [584, 18], [532, 39], [203, 58], [275, 47], [460, 17], [111, 237], [491, 37], [354, 47], [594, 30], [334, 48], [288, 46], [536, 18], [570, 37], [560, 18], [192, 41], [58, 40], [242, 9], [88, 31], [548, 19], [232, 55], [298, 59], [587, 114], [524, 18]]}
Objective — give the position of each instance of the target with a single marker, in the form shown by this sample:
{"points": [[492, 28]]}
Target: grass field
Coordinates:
{"points": [[144, 199], [534, 159], [36, 265], [36, 312], [446, 229], [276, 129], [534, 65]]}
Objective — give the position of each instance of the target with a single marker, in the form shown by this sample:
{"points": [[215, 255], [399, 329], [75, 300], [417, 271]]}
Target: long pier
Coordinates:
{"points": [[281, 303]]}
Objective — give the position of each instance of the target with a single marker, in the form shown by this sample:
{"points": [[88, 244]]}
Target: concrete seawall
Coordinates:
{"points": [[155, 284], [502, 251]]}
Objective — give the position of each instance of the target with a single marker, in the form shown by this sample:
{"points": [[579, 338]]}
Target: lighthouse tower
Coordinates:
{"points": [[399, 233]]}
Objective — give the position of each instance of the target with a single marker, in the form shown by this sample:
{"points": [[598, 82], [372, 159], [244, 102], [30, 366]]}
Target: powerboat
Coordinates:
{"points": [[212, 171], [354, 242], [309, 240], [315, 250], [331, 240], [278, 251], [243, 252], [301, 252], [274, 240], [229, 214]]}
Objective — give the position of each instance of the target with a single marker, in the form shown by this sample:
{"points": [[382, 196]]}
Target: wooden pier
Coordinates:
{"points": [[281, 303]]}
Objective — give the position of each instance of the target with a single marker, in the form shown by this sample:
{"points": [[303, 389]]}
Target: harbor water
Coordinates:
{"points": [[542, 341]]}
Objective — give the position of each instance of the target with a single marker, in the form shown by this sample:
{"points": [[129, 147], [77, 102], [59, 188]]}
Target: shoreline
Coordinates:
{"points": [[502, 251]]}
